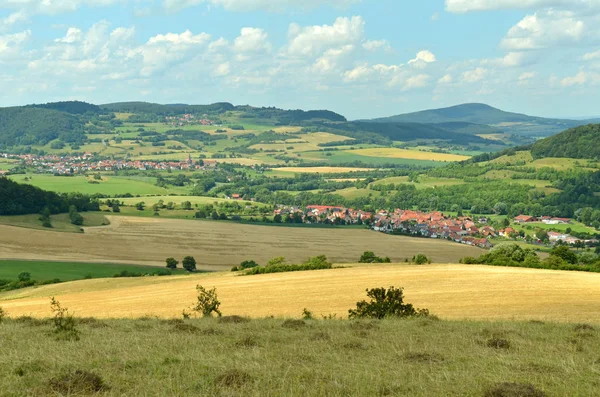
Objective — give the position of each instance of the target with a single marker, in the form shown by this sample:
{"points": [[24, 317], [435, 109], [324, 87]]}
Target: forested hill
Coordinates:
{"points": [[578, 143], [38, 126], [166, 110], [19, 199], [73, 107]]}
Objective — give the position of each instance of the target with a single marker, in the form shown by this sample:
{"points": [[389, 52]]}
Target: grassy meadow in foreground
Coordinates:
{"points": [[276, 357]]}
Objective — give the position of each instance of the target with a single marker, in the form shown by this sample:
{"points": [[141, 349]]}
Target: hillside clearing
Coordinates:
{"points": [[408, 154], [215, 245], [449, 291]]}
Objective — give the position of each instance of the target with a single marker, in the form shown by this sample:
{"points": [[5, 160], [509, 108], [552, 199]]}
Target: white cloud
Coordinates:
{"points": [[73, 35], [183, 38], [358, 73], [580, 78], [373, 45], [422, 59], [331, 59], [474, 75], [590, 56], [252, 40], [446, 79], [526, 77], [222, 70], [418, 81], [11, 44], [12, 19], [254, 5], [314, 40], [545, 29], [462, 6]]}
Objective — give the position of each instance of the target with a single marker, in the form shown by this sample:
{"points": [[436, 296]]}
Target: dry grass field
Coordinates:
{"points": [[320, 170], [408, 154], [304, 143], [215, 245], [449, 291]]}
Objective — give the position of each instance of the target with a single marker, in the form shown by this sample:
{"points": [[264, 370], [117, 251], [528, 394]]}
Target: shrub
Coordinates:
{"points": [[421, 259], [233, 378], [2, 314], [207, 302], [24, 276], [370, 257], [248, 265], [172, 263], [565, 254], [76, 383], [385, 303], [307, 314], [275, 266], [64, 323]]}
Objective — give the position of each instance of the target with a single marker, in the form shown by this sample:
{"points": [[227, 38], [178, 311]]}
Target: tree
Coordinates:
{"points": [[207, 302], [277, 218], [24, 276], [116, 207], [223, 216], [542, 235], [140, 206], [370, 257], [214, 215], [186, 205], [189, 263], [200, 214], [565, 254], [385, 303], [172, 263]]}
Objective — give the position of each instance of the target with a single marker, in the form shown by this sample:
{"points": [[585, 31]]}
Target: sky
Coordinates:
{"points": [[361, 58]]}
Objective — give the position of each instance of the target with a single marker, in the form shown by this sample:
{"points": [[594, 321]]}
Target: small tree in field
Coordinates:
{"points": [[189, 263], [421, 259], [2, 314], [64, 323], [172, 263], [385, 303], [207, 303]]}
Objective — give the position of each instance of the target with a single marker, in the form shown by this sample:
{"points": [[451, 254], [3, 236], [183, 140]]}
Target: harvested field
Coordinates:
{"points": [[449, 291], [215, 245], [408, 154]]}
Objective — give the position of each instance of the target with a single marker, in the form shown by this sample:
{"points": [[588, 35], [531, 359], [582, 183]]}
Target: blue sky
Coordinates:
{"points": [[362, 58]]}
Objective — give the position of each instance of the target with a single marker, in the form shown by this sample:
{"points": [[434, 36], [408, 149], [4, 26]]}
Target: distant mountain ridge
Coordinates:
{"points": [[482, 114]]}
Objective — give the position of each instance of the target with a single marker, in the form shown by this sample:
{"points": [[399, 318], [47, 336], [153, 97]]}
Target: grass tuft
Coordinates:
{"points": [[77, 382], [498, 343], [232, 379], [425, 358], [507, 389], [233, 319], [293, 324]]}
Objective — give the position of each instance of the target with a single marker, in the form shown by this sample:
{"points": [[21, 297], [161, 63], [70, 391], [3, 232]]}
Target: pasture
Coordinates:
{"points": [[216, 245], [320, 170], [424, 182], [177, 200], [454, 292], [273, 357], [67, 271], [396, 153], [60, 222], [110, 185]]}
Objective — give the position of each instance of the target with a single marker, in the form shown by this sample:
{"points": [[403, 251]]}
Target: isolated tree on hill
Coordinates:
{"points": [[74, 216], [385, 303], [116, 207], [172, 263], [186, 205], [189, 263], [140, 206]]}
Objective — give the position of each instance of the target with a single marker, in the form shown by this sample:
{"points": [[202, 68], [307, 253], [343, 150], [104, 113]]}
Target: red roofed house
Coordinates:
{"points": [[524, 219]]}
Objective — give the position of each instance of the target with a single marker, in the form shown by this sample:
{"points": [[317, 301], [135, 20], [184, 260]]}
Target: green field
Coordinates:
{"points": [[177, 200], [424, 182], [275, 357], [342, 157], [68, 271], [60, 222], [110, 185], [576, 227]]}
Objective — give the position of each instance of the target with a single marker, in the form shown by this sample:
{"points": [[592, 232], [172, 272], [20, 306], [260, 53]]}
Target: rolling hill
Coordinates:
{"points": [[579, 143], [478, 113]]}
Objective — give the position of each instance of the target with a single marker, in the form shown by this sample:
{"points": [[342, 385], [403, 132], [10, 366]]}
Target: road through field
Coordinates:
{"points": [[215, 245], [449, 291]]}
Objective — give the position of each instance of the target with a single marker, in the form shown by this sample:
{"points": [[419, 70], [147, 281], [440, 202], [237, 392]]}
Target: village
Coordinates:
{"points": [[88, 162], [465, 230]]}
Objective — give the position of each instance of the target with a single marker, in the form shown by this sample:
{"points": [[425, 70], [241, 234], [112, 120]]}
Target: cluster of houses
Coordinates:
{"points": [[187, 119], [548, 220], [87, 162], [435, 225]]}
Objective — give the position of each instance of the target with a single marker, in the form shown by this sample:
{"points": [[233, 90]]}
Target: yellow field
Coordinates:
{"points": [[320, 170], [493, 137], [408, 154], [215, 245], [511, 160], [304, 143], [449, 291]]}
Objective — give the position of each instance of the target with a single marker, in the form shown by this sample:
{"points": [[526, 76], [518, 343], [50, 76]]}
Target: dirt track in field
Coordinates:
{"points": [[215, 245]]}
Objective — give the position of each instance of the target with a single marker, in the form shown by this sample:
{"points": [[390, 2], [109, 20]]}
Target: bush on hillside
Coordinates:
{"points": [[278, 265], [172, 263], [64, 324], [207, 302], [385, 303], [421, 259], [370, 257]]}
